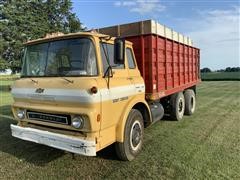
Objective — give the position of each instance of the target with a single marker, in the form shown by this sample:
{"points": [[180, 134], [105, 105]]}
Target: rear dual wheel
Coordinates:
{"points": [[177, 103], [182, 104], [190, 102]]}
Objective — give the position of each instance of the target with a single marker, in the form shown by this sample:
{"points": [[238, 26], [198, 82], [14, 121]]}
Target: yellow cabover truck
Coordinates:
{"points": [[83, 91]]}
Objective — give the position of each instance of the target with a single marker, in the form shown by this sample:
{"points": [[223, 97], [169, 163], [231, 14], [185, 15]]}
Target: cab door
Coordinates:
{"points": [[115, 94]]}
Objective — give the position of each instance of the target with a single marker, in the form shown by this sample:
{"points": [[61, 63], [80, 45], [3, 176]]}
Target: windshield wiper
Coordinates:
{"points": [[70, 81], [33, 80]]}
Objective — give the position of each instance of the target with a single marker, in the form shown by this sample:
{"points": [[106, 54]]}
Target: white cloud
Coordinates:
{"points": [[214, 31], [125, 3], [142, 6], [217, 34]]}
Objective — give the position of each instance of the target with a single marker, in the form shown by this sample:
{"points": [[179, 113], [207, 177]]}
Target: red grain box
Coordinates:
{"points": [[167, 60]]}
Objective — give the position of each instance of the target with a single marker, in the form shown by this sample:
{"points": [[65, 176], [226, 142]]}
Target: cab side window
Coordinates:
{"points": [[107, 50], [131, 63]]}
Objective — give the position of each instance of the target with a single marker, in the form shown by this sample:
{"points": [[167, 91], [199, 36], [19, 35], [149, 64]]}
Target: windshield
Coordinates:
{"points": [[71, 57]]}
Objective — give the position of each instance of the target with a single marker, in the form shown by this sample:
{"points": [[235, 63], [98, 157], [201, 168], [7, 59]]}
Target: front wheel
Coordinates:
{"points": [[133, 137]]}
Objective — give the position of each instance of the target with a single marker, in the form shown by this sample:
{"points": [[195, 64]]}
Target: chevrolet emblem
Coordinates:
{"points": [[39, 90]]}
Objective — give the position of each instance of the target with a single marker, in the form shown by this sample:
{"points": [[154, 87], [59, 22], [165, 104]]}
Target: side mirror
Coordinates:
{"points": [[119, 51]]}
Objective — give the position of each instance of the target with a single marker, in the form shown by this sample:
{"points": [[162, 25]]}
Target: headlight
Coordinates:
{"points": [[21, 114], [77, 122]]}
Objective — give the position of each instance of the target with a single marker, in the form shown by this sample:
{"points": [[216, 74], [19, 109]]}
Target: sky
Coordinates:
{"points": [[213, 25]]}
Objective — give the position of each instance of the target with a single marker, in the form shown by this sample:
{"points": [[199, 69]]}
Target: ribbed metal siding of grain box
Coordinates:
{"points": [[167, 60]]}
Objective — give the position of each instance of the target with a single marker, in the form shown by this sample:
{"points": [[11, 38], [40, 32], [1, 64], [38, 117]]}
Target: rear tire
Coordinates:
{"points": [[190, 102], [177, 103], [133, 137]]}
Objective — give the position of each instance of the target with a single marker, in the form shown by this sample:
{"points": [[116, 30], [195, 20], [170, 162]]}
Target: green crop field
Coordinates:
{"points": [[221, 76], [203, 146]]}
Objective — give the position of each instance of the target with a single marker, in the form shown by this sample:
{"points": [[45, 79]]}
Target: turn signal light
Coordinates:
{"points": [[94, 90], [98, 118]]}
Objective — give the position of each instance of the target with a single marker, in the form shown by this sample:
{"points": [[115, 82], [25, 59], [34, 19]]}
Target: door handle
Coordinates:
{"points": [[129, 78]]}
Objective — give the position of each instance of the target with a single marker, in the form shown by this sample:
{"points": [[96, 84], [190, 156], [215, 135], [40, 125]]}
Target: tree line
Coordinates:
{"points": [[23, 20], [228, 69]]}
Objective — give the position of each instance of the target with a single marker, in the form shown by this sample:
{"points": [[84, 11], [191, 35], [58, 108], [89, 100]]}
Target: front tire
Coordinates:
{"points": [[177, 103], [133, 137]]}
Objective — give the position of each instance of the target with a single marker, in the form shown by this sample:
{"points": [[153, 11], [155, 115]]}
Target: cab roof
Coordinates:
{"points": [[60, 36]]}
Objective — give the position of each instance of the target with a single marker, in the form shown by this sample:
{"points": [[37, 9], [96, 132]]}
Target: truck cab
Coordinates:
{"points": [[81, 92]]}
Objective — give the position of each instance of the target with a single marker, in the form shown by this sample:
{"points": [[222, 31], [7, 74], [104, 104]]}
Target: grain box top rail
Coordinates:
{"points": [[145, 27]]}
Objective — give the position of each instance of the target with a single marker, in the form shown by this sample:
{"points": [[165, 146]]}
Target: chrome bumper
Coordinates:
{"points": [[59, 141]]}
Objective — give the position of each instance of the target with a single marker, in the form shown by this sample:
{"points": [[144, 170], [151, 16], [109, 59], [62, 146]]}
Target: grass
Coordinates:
{"points": [[203, 146], [8, 77], [221, 76]]}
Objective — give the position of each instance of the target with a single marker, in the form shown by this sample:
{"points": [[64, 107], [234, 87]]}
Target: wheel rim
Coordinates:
{"points": [[192, 104], [135, 135], [180, 106]]}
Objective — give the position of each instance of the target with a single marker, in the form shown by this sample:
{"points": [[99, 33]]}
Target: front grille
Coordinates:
{"points": [[47, 117]]}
